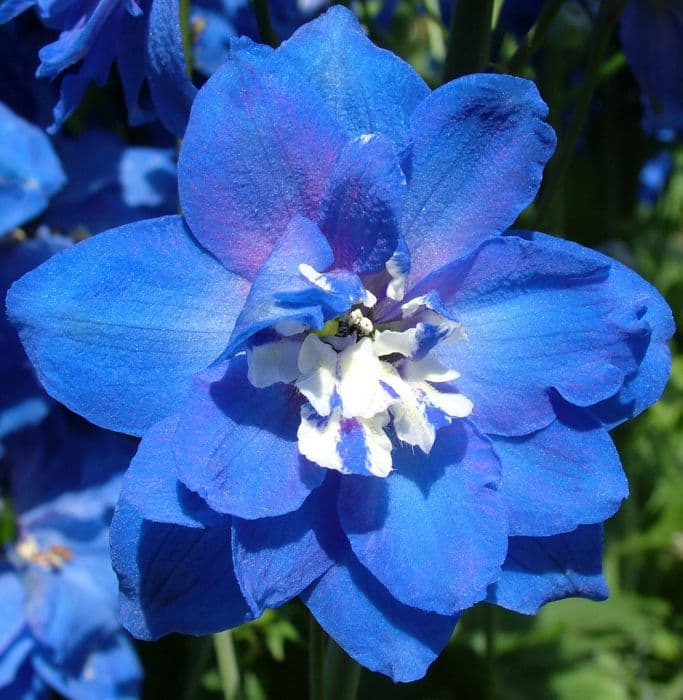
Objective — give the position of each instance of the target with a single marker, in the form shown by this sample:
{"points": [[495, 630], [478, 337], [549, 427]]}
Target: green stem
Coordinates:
{"points": [[469, 39], [608, 15], [316, 659], [490, 632], [536, 36], [265, 26], [342, 674], [200, 653], [227, 664], [186, 32]]}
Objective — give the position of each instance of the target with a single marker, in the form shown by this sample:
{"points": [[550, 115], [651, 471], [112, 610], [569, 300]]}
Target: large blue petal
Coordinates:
{"points": [[645, 385], [12, 651], [537, 318], [562, 476], [372, 626], [150, 483], [236, 446], [170, 86], [539, 570], [276, 558], [479, 145], [30, 172], [434, 532], [258, 149], [173, 578], [362, 205], [117, 325], [369, 90], [652, 37]]}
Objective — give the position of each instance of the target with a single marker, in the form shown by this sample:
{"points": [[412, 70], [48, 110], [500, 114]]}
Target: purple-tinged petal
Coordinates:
{"points": [[235, 445], [537, 318], [562, 476], [539, 570], [150, 483], [361, 209], [434, 532], [117, 325], [371, 626], [170, 86], [276, 558], [174, 578], [258, 150], [368, 89], [479, 145]]}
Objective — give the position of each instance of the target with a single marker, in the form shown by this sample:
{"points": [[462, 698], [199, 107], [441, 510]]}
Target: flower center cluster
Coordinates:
{"points": [[364, 382], [53, 557]]}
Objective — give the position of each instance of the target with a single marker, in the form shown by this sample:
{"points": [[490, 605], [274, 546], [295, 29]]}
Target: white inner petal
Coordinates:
{"points": [[273, 362]]}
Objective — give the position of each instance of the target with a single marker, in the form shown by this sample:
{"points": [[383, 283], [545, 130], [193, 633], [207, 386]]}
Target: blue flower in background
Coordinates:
{"points": [[354, 384], [654, 176], [143, 39], [30, 172], [58, 624]]}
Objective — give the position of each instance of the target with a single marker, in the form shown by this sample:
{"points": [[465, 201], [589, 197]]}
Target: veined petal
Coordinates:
{"points": [[539, 570], [369, 90], [537, 318], [235, 446], [434, 531], [173, 578], [478, 148], [117, 325], [372, 626], [562, 476], [242, 178]]}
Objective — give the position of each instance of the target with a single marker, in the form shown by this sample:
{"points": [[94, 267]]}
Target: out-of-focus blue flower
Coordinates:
{"points": [[143, 39], [652, 37], [110, 184], [30, 172], [353, 384], [58, 627], [654, 176]]}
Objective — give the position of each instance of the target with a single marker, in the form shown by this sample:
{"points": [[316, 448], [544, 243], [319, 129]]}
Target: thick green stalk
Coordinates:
{"points": [[265, 26], [608, 16], [227, 664], [469, 39], [186, 32], [536, 36], [342, 674], [316, 659]]}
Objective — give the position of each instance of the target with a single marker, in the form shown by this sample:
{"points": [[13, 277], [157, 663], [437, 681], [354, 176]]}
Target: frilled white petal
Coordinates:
{"points": [[273, 362]]}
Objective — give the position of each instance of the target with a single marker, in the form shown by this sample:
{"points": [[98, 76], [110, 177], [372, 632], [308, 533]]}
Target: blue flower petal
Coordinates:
{"points": [[362, 205], [434, 531], [536, 318], [173, 578], [373, 627], [170, 86], [30, 172], [479, 145], [539, 570], [236, 446], [562, 476], [258, 150], [150, 484], [10, 666], [645, 385], [11, 623], [276, 558], [128, 317], [369, 90]]}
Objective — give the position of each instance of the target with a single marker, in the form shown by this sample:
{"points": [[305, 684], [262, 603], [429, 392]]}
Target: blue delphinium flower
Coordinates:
{"points": [[354, 385], [654, 175], [143, 39], [30, 172], [58, 627]]}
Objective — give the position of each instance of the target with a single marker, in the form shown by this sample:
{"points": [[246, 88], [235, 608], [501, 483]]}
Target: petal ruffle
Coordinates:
{"points": [[537, 318], [368, 89], [479, 145], [173, 578], [539, 570], [117, 325], [562, 476], [242, 173], [236, 446], [373, 627], [434, 531]]}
